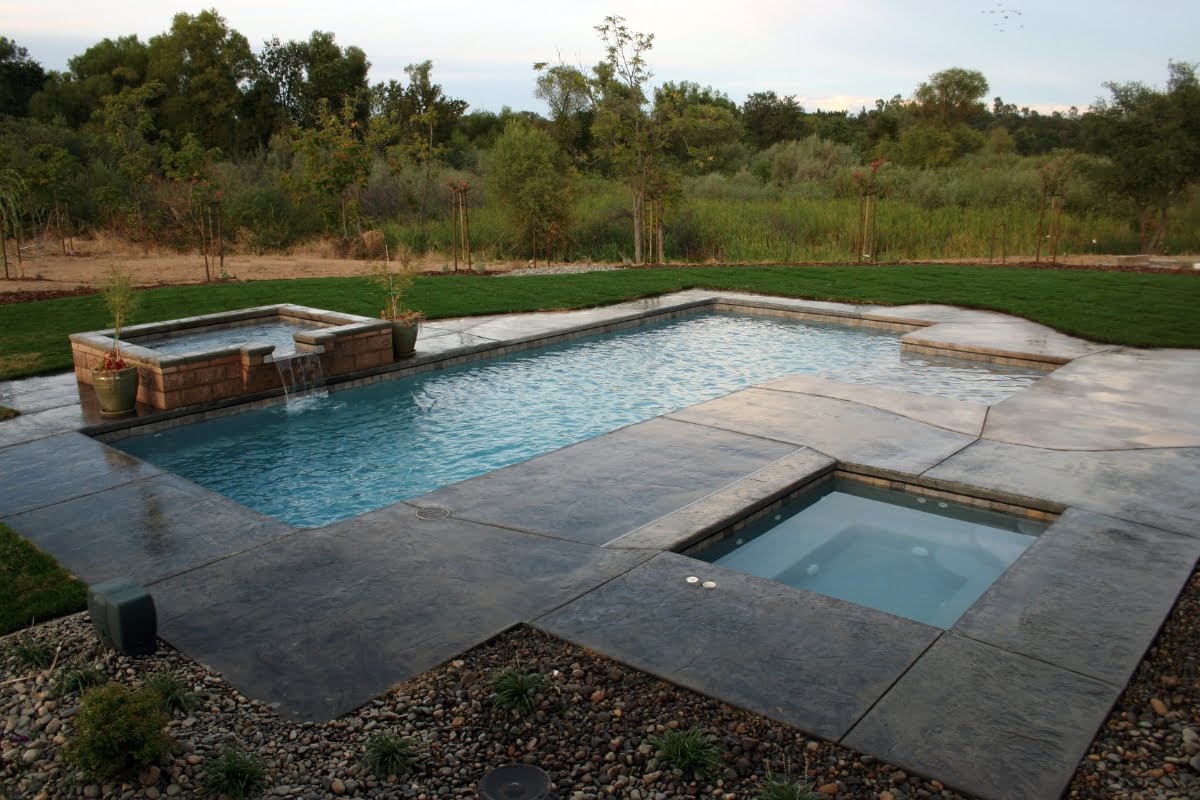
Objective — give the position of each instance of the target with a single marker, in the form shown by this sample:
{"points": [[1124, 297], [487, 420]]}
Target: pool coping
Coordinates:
{"points": [[879, 726]]}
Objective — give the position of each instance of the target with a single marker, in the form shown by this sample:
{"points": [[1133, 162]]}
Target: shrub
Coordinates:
{"points": [[235, 774], [388, 754], [691, 751], [173, 692], [118, 732], [516, 690]]}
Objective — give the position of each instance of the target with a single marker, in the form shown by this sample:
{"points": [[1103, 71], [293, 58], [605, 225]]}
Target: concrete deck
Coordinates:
{"points": [[584, 542]]}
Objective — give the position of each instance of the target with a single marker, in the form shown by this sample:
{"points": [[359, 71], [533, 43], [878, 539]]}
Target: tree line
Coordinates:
{"points": [[192, 135]]}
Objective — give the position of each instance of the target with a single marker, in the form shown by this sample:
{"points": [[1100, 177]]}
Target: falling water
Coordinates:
{"points": [[301, 375]]}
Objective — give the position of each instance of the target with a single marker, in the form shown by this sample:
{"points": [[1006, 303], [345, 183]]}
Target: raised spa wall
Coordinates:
{"points": [[344, 343]]}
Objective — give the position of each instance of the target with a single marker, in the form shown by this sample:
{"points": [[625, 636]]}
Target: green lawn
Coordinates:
{"points": [[32, 585], [1140, 309]]}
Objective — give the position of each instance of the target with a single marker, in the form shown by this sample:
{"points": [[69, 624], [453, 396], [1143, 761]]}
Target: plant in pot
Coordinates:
{"points": [[394, 281], [115, 381]]}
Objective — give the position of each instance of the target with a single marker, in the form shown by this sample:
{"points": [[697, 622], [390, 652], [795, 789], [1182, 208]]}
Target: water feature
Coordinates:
{"points": [[278, 332], [916, 557], [301, 375], [367, 447]]}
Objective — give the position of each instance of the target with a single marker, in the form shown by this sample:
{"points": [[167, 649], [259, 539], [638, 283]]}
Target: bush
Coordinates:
{"points": [[691, 751], [118, 732], [235, 775], [388, 754]]}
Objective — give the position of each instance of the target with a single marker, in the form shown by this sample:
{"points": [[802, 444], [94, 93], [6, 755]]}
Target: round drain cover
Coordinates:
{"points": [[433, 512], [515, 782]]}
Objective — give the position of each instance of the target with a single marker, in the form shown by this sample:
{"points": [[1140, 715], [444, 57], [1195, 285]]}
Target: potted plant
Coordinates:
{"points": [[405, 321], [115, 381]]}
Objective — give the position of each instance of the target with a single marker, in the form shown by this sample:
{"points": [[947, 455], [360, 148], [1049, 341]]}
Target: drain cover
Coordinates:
{"points": [[433, 512]]}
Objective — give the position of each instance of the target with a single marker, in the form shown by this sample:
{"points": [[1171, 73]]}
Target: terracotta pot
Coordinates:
{"points": [[116, 389], [404, 338]]}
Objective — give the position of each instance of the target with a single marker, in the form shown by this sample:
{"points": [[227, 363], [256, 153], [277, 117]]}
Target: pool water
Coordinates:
{"points": [[915, 557], [276, 332], [360, 449]]}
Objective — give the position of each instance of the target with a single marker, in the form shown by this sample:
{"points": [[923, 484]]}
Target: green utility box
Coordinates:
{"points": [[124, 617]]}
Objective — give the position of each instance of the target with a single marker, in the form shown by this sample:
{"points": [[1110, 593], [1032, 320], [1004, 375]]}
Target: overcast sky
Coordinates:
{"points": [[831, 54]]}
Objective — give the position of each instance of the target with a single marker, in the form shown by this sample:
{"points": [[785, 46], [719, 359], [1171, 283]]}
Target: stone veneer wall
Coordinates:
{"points": [[345, 343]]}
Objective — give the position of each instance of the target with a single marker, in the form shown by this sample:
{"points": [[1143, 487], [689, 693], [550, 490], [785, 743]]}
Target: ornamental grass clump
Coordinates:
{"points": [[388, 754], [33, 653], [517, 690], [236, 775], [690, 751], [118, 733], [174, 691]]}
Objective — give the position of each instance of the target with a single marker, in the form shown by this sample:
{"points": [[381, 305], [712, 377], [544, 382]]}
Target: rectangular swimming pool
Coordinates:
{"points": [[925, 559], [364, 448]]}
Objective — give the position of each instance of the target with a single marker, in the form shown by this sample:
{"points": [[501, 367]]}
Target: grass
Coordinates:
{"points": [[8, 413], [32, 585], [782, 789], [174, 691], [32, 653], [1138, 309], [79, 680]]}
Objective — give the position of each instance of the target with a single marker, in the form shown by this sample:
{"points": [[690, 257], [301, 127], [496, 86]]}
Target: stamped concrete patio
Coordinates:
{"points": [[583, 542]]}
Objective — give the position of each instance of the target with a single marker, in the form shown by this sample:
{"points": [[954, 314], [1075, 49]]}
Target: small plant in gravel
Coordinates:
{"points": [[174, 691], [32, 653], [236, 775], [118, 732], [388, 754], [691, 751], [78, 680], [786, 789], [517, 690]]}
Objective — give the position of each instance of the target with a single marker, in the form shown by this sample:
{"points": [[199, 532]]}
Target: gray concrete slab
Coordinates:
{"points": [[1153, 487], [720, 510], [145, 530], [960, 416], [799, 657], [1120, 399], [321, 622], [40, 424], [933, 312], [58, 468], [847, 431], [986, 721], [604, 487], [1010, 336], [1087, 596], [28, 395]]}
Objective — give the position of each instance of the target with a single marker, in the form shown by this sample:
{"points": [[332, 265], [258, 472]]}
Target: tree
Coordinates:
{"points": [[202, 65], [336, 160], [567, 92], [1152, 141], [703, 128], [629, 138], [127, 123], [535, 183], [20, 78], [951, 97], [107, 67], [769, 119], [302, 73]]}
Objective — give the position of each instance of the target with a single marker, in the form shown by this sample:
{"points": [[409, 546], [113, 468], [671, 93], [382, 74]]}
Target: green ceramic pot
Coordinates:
{"points": [[116, 389], [404, 338]]}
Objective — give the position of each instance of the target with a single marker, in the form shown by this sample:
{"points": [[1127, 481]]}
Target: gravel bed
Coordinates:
{"points": [[590, 730], [562, 269]]}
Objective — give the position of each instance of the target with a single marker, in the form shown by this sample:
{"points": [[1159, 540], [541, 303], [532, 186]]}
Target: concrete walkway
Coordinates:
{"points": [[583, 543]]}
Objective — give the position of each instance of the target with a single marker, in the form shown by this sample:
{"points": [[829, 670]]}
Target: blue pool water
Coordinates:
{"points": [[360, 449], [915, 557], [276, 332]]}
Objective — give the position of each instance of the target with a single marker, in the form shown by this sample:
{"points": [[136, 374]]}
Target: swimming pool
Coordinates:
{"points": [[360, 449]]}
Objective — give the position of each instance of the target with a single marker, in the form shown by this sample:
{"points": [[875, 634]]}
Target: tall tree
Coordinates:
{"points": [[20, 78], [107, 67], [629, 138], [1152, 140], [567, 92], [952, 97], [203, 65], [304, 72]]}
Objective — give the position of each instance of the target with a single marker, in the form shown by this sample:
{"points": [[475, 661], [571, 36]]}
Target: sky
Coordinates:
{"points": [[843, 54]]}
